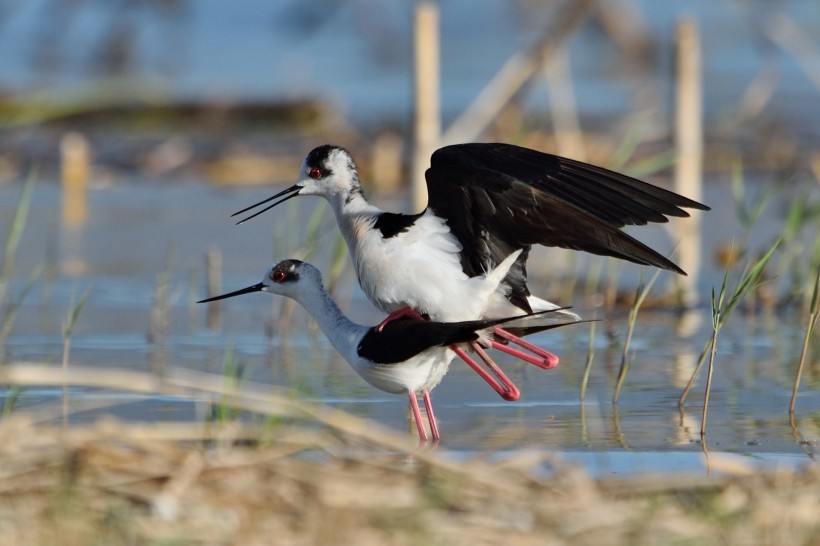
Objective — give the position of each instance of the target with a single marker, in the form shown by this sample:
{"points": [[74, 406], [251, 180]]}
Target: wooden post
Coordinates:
{"points": [[516, 72], [427, 112], [689, 165], [75, 164]]}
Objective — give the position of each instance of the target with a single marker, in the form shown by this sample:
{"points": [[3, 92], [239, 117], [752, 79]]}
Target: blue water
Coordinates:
{"points": [[139, 235], [355, 55]]}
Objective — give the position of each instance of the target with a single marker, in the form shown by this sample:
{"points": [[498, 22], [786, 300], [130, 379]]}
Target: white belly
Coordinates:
{"points": [[422, 372]]}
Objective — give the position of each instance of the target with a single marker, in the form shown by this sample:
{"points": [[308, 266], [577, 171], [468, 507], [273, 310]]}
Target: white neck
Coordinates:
{"points": [[353, 214], [343, 333]]}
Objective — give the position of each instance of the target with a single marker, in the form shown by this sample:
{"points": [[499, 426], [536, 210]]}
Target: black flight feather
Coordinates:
{"points": [[404, 338], [497, 198]]}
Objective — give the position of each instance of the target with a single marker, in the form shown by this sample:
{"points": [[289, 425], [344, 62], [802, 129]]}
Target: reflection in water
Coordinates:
{"points": [[707, 460], [687, 427], [72, 250], [592, 425], [75, 166], [620, 438], [690, 321]]}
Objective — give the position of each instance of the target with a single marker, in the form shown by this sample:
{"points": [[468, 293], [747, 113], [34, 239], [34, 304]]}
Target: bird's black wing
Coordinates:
{"points": [[499, 197], [402, 339]]}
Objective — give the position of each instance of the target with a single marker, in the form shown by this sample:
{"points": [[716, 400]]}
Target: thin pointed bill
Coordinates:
{"points": [[255, 288], [293, 191]]}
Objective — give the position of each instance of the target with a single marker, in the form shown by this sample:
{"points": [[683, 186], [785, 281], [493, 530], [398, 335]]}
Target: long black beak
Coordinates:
{"points": [[293, 191], [255, 288]]}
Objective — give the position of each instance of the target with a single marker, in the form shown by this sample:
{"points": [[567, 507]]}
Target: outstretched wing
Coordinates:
{"points": [[499, 197]]}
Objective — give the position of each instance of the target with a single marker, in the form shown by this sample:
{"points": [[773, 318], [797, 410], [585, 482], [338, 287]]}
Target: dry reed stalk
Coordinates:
{"points": [[569, 137], [262, 399], [800, 44], [166, 503], [516, 72], [96, 485]]}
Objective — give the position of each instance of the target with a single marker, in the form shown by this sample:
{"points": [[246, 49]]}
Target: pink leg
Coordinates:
{"points": [[414, 406], [403, 312], [506, 389], [546, 361], [428, 405]]}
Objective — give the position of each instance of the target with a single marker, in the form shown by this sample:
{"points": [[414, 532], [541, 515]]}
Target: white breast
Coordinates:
{"points": [[420, 268]]}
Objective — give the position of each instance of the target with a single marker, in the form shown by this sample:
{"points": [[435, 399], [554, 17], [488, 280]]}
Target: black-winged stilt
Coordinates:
{"points": [[486, 201], [407, 355]]}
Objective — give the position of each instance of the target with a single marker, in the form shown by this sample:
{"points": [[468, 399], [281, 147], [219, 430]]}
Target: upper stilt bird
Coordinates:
{"points": [[486, 201], [408, 354]]}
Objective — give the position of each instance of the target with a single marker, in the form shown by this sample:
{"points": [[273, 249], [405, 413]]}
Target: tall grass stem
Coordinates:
{"points": [[68, 330], [814, 313], [640, 296]]}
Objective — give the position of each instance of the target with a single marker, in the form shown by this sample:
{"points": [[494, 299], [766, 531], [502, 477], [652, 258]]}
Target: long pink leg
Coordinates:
{"points": [[506, 388], [508, 391], [414, 406], [403, 312], [428, 405], [546, 361]]}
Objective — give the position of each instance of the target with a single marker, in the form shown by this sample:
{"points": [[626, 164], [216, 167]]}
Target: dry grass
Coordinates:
{"points": [[348, 482]]}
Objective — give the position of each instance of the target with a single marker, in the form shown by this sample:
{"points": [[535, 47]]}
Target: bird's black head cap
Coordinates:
{"points": [[285, 271], [317, 158]]}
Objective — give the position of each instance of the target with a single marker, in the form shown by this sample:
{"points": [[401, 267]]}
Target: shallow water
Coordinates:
{"points": [[140, 233]]}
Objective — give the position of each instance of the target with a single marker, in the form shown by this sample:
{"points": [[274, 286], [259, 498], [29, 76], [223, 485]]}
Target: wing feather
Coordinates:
{"points": [[497, 198]]}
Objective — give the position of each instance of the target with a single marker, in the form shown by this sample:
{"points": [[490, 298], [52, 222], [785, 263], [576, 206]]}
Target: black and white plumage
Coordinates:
{"points": [[407, 355], [485, 202]]}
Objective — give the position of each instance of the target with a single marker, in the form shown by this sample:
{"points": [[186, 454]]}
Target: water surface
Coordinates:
{"points": [[144, 237]]}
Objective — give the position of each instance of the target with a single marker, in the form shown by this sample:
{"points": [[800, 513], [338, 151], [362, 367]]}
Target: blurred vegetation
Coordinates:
{"points": [[184, 484]]}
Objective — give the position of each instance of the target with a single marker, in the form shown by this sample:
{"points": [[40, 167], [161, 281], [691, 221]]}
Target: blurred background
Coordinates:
{"points": [[262, 77], [130, 130]]}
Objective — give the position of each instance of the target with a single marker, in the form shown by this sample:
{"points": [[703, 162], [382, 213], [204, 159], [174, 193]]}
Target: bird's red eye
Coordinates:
{"points": [[315, 173], [279, 276]]}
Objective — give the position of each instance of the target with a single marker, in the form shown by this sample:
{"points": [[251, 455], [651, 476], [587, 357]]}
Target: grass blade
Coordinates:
{"points": [[18, 222], [590, 355], [750, 280], [67, 331], [640, 296], [10, 310], [814, 313]]}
